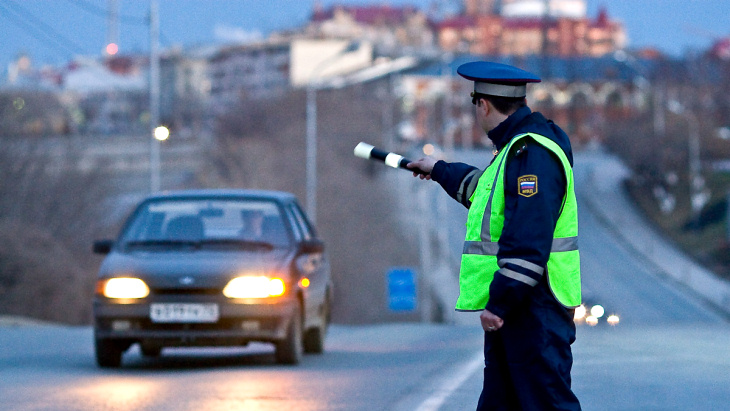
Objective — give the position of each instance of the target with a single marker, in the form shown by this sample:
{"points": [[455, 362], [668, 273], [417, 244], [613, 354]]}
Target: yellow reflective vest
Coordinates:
{"points": [[484, 227]]}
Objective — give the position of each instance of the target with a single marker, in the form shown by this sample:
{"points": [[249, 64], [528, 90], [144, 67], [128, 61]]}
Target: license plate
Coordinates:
{"points": [[184, 313]]}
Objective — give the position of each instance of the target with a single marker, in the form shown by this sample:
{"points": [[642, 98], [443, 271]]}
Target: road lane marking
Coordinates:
{"points": [[450, 383]]}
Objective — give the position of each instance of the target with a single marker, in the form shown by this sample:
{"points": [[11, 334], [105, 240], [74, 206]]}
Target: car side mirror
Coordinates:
{"points": [[103, 246], [311, 246]]}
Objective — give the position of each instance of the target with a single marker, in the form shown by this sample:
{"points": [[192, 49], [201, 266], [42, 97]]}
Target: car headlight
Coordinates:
{"points": [[124, 287], [597, 311], [254, 287]]}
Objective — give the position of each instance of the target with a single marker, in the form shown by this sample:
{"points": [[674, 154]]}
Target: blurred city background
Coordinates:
{"points": [[282, 108]]}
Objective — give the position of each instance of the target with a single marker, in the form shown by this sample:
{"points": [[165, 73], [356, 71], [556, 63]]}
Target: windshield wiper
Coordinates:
{"points": [[238, 243]]}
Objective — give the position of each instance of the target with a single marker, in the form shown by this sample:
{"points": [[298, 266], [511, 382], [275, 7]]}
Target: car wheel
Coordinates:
{"points": [[289, 350], [314, 341], [108, 353], [314, 337]]}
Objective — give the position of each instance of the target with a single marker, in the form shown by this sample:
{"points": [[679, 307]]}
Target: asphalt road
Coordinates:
{"points": [[364, 368], [669, 352]]}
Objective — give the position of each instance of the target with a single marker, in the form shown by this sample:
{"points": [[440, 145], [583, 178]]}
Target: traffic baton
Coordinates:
{"points": [[368, 152]]}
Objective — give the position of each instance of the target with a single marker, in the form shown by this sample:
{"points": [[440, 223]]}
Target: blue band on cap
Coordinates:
{"points": [[488, 72]]}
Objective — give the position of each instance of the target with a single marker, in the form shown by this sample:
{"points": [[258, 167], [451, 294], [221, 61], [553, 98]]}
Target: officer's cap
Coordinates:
{"points": [[497, 79]]}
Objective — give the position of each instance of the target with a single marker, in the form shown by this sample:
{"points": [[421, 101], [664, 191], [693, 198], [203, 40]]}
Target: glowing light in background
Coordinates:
{"points": [[597, 311], [428, 149], [112, 49], [24, 63], [592, 315], [19, 103], [162, 133]]}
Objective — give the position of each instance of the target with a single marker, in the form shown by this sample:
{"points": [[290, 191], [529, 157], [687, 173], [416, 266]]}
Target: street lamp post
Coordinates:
{"points": [[697, 183], [311, 162], [154, 97], [311, 138], [698, 196]]}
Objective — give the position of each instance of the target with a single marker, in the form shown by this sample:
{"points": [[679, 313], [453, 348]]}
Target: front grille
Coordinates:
{"points": [[187, 291], [224, 324]]}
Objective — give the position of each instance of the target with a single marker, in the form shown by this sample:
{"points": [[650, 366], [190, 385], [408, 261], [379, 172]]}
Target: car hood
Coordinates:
{"points": [[199, 269]]}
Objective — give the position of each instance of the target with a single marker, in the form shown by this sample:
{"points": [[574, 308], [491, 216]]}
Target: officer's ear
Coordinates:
{"points": [[484, 105]]}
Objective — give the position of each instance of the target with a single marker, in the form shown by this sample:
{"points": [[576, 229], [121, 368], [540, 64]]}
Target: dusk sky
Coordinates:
{"points": [[54, 31]]}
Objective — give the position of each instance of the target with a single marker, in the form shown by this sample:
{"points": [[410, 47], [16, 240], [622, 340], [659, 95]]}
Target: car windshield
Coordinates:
{"points": [[220, 223]]}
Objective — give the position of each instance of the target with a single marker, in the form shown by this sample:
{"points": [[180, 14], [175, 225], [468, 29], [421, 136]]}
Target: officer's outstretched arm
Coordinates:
{"points": [[424, 164]]}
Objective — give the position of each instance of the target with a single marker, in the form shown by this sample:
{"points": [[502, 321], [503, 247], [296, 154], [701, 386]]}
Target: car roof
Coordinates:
{"points": [[280, 196]]}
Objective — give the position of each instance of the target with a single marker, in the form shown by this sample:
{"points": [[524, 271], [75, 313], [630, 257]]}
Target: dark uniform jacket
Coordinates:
{"points": [[529, 221]]}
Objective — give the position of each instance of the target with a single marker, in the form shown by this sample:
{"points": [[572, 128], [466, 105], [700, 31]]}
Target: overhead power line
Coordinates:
{"points": [[37, 28], [101, 12]]}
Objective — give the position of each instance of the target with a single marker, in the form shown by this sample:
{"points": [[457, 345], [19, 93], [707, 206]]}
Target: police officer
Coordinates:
{"points": [[520, 265]]}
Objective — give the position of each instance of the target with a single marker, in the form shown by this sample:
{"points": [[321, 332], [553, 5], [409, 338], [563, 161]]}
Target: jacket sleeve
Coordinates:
{"points": [[459, 180], [530, 219]]}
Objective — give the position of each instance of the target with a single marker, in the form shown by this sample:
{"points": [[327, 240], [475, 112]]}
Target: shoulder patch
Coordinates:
{"points": [[527, 185]]}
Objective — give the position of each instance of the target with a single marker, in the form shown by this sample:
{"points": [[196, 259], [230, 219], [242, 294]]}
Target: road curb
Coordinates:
{"points": [[18, 321]]}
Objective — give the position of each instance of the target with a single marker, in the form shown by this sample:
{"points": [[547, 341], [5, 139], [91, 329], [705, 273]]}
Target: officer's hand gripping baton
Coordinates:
{"points": [[368, 152]]}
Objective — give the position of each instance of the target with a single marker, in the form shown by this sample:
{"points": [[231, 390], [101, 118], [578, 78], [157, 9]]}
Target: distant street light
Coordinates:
{"points": [[161, 133], [112, 49], [311, 163]]}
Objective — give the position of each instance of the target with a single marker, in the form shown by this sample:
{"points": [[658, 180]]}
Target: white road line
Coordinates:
{"points": [[450, 383]]}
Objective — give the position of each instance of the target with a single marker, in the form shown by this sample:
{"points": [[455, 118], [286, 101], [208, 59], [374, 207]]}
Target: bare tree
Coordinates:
{"points": [[48, 215], [32, 113]]}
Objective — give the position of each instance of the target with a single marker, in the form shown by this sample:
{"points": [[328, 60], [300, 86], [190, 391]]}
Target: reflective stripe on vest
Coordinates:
{"points": [[479, 257]]}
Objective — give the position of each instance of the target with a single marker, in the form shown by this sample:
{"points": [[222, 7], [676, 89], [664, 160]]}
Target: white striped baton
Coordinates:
{"points": [[369, 152]]}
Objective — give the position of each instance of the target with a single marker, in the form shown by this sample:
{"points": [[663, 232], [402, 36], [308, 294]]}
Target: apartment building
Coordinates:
{"points": [[391, 30], [248, 71], [527, 27]]}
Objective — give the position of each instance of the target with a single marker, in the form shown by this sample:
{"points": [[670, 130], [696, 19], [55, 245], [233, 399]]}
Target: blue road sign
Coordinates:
{"points": [[401, 289]]}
